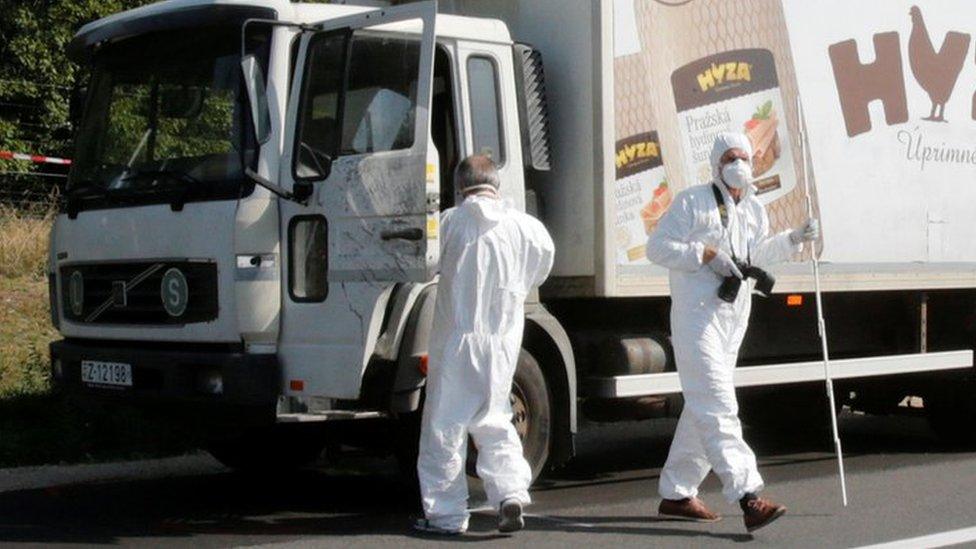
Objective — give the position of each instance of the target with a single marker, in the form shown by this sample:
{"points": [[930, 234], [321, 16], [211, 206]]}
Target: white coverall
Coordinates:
{"points": [[491, 257], [707, 332]]}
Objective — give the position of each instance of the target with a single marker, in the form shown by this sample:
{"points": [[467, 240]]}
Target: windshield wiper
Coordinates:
{"points": [[180, 191], [79, 192], [171, 174]]}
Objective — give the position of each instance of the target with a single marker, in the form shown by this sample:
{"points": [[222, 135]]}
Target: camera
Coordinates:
{"points": [[729, 289]]}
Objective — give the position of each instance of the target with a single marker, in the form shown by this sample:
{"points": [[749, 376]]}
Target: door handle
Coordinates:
{"points": [[403, 234]]}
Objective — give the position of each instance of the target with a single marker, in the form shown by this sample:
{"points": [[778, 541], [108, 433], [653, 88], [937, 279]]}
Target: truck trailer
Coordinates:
{"points": [[251, 224]]}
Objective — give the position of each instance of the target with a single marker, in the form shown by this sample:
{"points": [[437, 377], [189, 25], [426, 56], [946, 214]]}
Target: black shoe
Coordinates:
{"points": [[510, 516]]}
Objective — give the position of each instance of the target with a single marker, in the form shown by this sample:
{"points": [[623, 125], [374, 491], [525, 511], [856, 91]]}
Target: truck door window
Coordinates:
{"points": [[378, 112], [363, 106], [320, 102], [486, 121], [308, 256]]}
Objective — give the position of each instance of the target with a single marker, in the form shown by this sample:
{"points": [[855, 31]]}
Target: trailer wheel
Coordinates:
{"points": [[951, 411], [272, 448]]}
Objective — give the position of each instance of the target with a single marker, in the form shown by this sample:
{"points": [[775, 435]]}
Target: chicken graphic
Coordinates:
{"points": [[935, 71]]}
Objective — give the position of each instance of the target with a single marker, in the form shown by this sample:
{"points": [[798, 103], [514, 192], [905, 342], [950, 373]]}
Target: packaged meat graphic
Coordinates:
{"points": [[735, 91], [641, 195], [762, 130], [685, 71], [652, 212]]}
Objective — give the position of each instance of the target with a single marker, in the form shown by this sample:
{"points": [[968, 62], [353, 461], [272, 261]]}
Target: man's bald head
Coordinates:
{"points": [[477, 173]]}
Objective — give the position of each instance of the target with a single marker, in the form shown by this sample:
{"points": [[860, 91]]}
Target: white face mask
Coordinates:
{"points": [[737, 174]]}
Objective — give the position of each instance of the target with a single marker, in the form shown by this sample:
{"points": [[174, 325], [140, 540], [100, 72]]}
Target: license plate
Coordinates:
{"points": [[106, 373]]}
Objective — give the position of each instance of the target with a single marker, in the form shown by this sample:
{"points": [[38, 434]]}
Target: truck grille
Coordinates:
{"points": [[133, 293]]}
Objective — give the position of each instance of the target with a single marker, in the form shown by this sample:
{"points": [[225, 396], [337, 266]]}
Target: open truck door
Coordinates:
{"points": [[356, 154]]}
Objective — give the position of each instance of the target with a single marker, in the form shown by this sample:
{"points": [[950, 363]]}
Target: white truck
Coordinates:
{"points": [[251, 225]]}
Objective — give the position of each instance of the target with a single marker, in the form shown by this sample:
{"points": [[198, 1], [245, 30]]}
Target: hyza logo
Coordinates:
{"points": [[174, 292], [644, 149], [936, 71], [716, 75], [638, 153]]}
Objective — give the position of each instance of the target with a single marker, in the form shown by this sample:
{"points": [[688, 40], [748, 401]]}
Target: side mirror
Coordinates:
{"points": [[313, 164], [257, 97]]}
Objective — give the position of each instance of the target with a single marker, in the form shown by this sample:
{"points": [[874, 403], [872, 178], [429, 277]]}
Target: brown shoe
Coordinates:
{"points": [[758, 512], [690, 509]]}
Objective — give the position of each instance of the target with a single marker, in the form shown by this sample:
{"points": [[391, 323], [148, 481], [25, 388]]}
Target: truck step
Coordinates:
{"points": [[331, 415]]}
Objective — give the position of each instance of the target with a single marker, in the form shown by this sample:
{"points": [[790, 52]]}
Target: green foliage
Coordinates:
{"points": [[196, 134], [763, 112], [36, 76]]}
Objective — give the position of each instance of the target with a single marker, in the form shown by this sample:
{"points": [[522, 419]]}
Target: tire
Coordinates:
{"points": [[531, 414], [269, 449], [951, 411]]}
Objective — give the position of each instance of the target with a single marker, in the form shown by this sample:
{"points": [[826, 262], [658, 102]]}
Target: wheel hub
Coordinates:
{"points": [[520, 411]]}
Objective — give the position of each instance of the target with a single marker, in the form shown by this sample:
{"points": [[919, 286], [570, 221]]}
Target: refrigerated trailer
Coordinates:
{"points": [[251, 226]]}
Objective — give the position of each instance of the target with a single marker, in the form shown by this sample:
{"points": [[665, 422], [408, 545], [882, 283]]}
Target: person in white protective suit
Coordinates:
{"points": [[491, 257], [700, 245]]}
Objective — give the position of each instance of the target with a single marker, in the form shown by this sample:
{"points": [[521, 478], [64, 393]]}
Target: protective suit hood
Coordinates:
{"points": [[487, 209], [725, 141]]}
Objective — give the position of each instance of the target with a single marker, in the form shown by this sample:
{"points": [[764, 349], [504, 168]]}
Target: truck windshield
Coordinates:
{"points": [[163, 118]]}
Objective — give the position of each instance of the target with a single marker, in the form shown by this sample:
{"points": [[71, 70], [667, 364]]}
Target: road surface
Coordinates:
{"points": [[902, 481]]}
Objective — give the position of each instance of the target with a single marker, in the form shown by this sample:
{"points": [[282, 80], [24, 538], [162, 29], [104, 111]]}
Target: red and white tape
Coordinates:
{"points": [[35, 158]]}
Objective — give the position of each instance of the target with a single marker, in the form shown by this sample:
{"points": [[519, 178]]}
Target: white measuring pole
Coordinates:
{"points": [[821, 324]]}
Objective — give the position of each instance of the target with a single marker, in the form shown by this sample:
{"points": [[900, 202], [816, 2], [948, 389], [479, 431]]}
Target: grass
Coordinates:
{"points": [[23, 248], [36, 425], [25, 331], [25, 325]]}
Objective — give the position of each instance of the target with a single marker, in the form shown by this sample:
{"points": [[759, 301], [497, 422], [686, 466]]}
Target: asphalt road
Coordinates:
{"points": [[902, 482]]}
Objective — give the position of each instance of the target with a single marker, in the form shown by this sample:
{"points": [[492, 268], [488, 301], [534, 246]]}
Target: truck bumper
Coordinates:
{"points": [[221, 376]]}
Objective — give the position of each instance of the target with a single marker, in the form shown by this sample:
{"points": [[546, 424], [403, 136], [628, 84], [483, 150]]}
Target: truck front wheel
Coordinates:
{"points": [[531, 412], [531, 416]]}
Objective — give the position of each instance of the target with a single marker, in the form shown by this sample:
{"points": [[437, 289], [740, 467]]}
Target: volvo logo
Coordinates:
{"points": [[174, 292], [76, 293]]}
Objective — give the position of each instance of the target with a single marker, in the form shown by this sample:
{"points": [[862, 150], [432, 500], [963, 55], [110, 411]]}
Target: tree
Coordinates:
{"points": [[36, 79]]}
